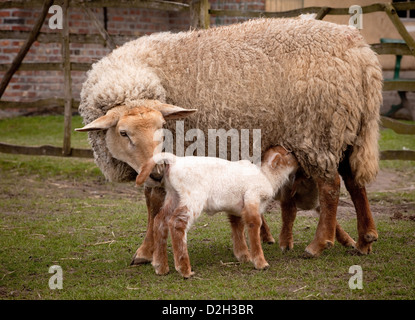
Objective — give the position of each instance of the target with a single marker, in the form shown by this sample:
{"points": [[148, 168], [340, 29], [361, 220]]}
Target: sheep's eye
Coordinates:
{"points": [[123, 133]]}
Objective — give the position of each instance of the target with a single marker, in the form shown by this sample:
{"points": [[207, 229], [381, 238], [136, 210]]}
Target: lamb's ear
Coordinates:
{"points": [[169, 111], [102, 123], [274, 160]]}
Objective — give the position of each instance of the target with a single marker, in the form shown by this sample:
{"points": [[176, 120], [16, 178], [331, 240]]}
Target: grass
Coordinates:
{"points": [[60, 211]]}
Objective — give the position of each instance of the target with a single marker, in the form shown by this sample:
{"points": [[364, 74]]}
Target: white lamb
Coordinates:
{"points": [[197, 184]]}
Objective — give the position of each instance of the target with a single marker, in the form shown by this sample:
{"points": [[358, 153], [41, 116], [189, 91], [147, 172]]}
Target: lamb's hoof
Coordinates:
{"points": [[187, 275], [137, 260]]}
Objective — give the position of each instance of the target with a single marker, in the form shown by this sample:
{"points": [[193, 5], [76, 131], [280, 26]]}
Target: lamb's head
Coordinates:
{"points": [[133, 133], [278, 164]]}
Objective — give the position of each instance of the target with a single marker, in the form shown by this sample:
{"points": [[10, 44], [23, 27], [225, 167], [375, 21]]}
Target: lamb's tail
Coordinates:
{"points": [[159, 158], [364, 159]]}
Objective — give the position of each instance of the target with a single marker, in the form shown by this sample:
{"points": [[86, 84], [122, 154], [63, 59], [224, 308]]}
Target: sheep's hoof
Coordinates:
{"points": [[261, 265], [314, 250], [137, 260], [187, 275], [268, 239], [161, 270], [364, 244]]}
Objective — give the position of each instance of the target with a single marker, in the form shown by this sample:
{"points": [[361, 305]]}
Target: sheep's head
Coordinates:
{"points": [[132, 134]]}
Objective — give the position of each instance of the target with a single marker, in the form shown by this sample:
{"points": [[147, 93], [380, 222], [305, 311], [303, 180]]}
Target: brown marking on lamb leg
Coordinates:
{"points": [[266, 235], [160, 234], [178, 226], [288, 214], [154, 201], [252, 220], [329, 190], [240, 249]]}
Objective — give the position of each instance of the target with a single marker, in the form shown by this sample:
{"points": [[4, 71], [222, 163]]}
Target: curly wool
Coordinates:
{"points": [[313, 86]]}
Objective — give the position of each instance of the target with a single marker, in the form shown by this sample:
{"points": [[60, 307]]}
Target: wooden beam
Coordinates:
{"points": [[26, 46], [393, 16], [408, 155], [66, 57], [199, 14], [399, 85], [37, 104], [157, 4], [322, 13], [397, 126], [49, 37], [45, 150], [48, 66], [391, 48], [104, 34]]}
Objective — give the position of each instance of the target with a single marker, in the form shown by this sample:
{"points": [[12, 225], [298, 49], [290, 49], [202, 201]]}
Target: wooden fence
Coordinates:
{"points": [[200, 13]]}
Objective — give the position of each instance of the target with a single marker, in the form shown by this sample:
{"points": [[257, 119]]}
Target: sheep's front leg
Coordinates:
{"points": [[329, 191], [178, 224], [252, 219], [240, 249], [154, 201]]}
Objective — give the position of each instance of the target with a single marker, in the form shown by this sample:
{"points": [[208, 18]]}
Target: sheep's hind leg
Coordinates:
{"points": [[329, 190], [266, 235], [178, 231], [365, 224], [154, 202], [240, 249]]}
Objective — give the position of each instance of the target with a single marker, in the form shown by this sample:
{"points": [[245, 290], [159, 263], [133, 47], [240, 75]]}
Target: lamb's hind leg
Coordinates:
{"points": [[240, 249], [178, 225], [154, 201], [252, 219]]}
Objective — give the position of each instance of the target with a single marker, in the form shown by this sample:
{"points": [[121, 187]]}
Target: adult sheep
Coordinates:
{"points": [[311, 86]]}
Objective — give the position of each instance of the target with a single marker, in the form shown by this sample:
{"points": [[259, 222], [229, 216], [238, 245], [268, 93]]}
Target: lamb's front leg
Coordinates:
{"points": [[240, 249], [154, 201], [178, 231], [252, 219], [160, 234]]}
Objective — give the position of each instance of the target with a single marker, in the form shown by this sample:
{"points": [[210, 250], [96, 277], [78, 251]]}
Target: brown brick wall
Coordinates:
{"points": [[33, 85]]}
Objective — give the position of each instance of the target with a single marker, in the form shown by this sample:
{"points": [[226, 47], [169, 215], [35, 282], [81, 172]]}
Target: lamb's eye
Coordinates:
{"points": [[123, 133]]}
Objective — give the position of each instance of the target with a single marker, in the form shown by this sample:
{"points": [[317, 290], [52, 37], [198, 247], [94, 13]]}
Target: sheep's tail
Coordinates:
{"points": [[364, 158]]}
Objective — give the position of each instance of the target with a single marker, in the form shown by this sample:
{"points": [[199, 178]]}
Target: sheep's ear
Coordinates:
{"points": [[169, 111], [102, 123]]}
